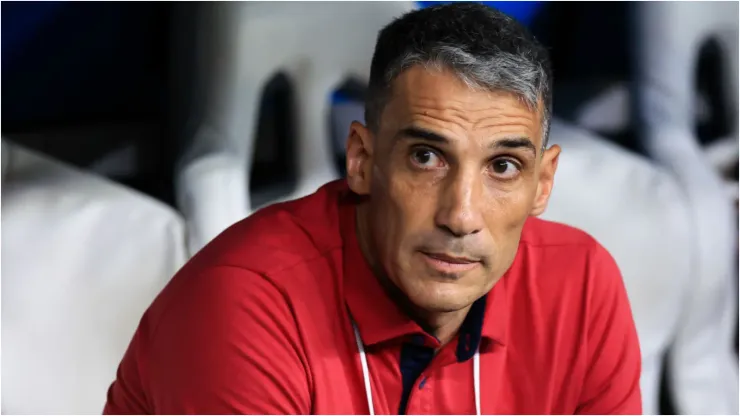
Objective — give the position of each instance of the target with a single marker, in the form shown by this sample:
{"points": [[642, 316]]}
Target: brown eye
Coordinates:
{"points": [[425, 159], [505, 168]]}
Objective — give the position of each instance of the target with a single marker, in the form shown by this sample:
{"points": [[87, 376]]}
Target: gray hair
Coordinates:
{"points": [[486, 49]]}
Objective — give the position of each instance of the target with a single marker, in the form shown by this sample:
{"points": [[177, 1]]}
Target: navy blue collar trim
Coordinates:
{"points": [[470, 331]]}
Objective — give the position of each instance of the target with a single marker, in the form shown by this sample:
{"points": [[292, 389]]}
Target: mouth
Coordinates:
{"points": [[450, 264]]}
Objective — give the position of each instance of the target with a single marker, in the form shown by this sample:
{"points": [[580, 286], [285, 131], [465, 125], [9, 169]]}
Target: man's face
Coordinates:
{"points": [[452, 174]]}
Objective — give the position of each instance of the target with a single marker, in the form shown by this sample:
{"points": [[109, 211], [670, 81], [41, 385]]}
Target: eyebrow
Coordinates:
{"points": [[430, 136]]}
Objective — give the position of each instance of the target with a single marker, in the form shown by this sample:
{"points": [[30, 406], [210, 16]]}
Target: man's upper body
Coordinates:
{"points": [[259, 322], [421, 283]]}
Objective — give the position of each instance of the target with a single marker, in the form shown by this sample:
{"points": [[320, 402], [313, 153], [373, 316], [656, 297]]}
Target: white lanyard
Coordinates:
{"points": [[366, 374]]}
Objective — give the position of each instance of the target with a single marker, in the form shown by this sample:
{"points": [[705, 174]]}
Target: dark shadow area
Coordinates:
{"points": [[589, 44], [347, 96], [273, 171], [709, 76], [87, 80]]}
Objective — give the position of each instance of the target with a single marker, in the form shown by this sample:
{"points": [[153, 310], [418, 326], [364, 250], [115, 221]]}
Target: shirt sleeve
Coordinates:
{"points": [[226, 342], [612, 381]]}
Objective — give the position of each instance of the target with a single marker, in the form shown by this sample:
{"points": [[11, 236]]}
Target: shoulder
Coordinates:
{"points": [[545, 239], [269, 256], [245, 295], [559, 247], [213, 328], [550, 234], [562, 259], [582, 305], [570, 289], [279, 236]]}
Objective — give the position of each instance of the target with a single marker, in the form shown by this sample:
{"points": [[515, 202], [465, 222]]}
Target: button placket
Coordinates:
{"points": [[417, 403], [427, 397], [422, 382]]}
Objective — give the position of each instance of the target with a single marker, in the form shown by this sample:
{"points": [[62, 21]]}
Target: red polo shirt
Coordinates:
{"points": [[259, 322]]}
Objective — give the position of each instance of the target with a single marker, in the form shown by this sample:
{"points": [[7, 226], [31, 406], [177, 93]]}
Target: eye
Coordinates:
{"points": [[426, 158], [505, 168]]}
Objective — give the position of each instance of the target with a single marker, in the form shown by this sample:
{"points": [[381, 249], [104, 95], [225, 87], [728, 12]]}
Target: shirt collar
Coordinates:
{"points": [[486, 323], [379, 319]]}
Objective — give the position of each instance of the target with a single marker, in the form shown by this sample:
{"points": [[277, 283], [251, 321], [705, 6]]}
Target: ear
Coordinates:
{"points": [[359, 158], [546, 180]]}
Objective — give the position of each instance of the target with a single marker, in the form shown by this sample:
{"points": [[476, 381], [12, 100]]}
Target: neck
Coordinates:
{"points": [[443, 325]]}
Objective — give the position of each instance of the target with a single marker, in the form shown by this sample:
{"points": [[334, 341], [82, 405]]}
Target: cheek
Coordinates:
{"points": [[388, 218], [413, 203], [507, 211], [401, 214]]}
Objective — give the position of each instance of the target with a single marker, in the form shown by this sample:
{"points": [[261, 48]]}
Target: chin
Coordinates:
{"points": [[441, 297], [433, 291]]}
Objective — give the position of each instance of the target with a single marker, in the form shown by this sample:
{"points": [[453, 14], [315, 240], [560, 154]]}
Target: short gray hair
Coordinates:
{"points": [[485, 48]]}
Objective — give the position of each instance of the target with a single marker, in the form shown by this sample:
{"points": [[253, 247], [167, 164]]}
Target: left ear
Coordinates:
{"points": [[546, 180]]}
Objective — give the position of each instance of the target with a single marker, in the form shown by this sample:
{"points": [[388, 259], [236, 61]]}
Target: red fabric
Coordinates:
{"points": [[258, 322]]}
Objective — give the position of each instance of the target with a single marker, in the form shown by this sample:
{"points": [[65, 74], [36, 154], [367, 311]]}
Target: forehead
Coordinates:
{"points": [[439, 100]]}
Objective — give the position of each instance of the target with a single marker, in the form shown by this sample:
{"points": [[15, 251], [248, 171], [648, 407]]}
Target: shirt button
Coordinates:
{"points": [[422, 383]]}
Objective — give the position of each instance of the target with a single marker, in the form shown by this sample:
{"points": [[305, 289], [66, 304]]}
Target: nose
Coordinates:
{"points": [[459, 211]]}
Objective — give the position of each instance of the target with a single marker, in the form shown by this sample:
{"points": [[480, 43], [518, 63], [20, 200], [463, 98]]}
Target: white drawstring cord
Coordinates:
{"points": [[476, 381], [365, 370]]}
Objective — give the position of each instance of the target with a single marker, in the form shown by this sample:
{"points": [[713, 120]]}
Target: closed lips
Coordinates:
{"points": [[450, 259]]}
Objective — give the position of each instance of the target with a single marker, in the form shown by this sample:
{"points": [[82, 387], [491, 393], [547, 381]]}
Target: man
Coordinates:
{"points": [[421, 283]]}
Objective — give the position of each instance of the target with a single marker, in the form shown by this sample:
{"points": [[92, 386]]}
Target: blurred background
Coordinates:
{"points": [[135, 132]]}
